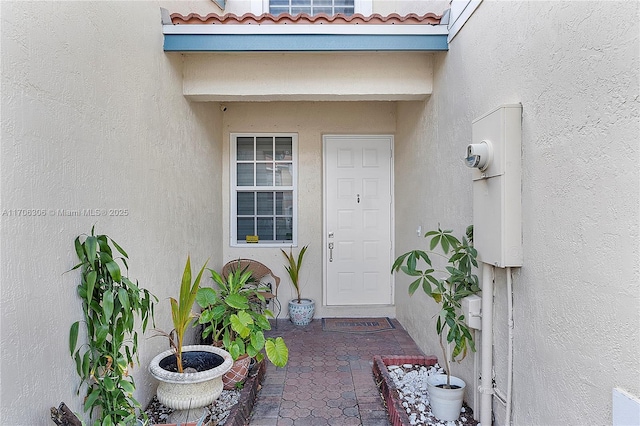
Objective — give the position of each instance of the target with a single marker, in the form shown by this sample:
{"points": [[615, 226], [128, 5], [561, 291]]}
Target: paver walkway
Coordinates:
{"points": [[328, 380]]}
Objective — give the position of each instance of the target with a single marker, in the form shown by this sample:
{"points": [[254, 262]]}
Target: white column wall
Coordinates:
{"points": [[574, 66], [93, 117]]}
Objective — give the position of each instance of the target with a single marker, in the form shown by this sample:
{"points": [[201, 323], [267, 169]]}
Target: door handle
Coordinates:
{"points": [[330, 252]]}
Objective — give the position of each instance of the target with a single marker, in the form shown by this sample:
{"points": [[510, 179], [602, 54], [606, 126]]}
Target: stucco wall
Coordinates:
{"points": [[576, 298], [383, 7], [308, 76], [93, 117], [310, 120]]}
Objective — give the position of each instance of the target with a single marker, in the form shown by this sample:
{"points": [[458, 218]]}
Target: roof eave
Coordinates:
{"points": [[304, 42], [249, 33]]}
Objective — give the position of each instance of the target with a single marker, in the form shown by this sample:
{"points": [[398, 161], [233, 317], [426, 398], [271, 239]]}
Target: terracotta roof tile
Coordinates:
{"points": [[321, 19]]}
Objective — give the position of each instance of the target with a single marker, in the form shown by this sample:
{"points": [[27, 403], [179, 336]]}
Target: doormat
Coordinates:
{"points": [[357, 325]]}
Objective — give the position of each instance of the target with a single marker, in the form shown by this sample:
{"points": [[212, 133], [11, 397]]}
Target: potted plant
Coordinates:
{"points": [[190, 376], [447, 288], [111, 304], [232, 315], [300, 309]]}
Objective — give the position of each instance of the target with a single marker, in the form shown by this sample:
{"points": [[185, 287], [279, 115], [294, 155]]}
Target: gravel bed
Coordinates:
{"points": [[215, 414], [411, 381]]}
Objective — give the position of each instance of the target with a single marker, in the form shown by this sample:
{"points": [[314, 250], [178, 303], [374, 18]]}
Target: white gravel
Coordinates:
{"points": [[216, 413], [411, 381]]}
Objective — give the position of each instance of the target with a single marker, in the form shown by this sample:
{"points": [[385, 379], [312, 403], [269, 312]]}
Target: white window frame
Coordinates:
{"points": [[365, 7], [234, 188]]}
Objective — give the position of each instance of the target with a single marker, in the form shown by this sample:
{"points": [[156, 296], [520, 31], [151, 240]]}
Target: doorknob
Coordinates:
{"points": [[330, 252]]}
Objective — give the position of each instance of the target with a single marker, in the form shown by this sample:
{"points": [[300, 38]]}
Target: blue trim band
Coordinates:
{"points": [[302, 42]]}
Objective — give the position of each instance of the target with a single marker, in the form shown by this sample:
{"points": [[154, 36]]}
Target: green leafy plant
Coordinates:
{"points": [[446, 287], [181, 312], [111, 302], [232, 314], [293, 267]]}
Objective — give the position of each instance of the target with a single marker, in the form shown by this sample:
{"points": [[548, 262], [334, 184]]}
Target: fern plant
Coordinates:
{"points": [[111, 304]]}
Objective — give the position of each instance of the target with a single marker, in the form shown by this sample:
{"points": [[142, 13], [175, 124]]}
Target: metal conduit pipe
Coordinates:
{"points": [[510, 353], [486, 383], [476, 380]]}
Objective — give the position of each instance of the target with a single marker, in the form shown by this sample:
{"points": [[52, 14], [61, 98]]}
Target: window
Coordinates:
{"points": [[263, 189], [312, 7]]}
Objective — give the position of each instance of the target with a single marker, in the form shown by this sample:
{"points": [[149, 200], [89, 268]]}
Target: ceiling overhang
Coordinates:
{"points": [[302, 58], [307, 76]]}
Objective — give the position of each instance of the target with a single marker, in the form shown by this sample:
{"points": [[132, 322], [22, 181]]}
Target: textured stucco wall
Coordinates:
{"points": [[576, 298], [383, 7], [421, 7], [310, 120], [93, 117], [308, 76]]}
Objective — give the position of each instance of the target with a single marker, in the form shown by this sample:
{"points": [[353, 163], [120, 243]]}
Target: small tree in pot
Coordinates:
{"points": [[300, 309], [181, 312], [447, 288], [190, 376]]}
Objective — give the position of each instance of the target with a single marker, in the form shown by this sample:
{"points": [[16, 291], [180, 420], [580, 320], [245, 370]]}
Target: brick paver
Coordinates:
{"points": [[328, 380]]}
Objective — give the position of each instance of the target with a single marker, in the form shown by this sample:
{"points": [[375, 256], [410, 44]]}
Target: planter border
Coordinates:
{"points": [[241, 412], [388, 389]]}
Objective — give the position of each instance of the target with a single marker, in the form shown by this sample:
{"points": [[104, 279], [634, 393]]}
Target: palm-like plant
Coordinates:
{"points": [[446, 287], [181, 313], [293, 268]]}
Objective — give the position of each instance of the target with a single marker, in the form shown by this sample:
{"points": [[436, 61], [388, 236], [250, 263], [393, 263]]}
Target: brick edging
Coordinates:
{"points": [[241, 412], [388, 389]]}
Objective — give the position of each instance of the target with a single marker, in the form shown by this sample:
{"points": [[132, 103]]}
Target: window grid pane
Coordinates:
{"points": [[246, 226], [265, 203]]}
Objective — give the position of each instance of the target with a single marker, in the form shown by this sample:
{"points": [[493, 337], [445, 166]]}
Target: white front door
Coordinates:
{"points": [[357, 219]]}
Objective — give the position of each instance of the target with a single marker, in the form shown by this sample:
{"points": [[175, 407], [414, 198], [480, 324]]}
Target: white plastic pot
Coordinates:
{"points": [[445, 403]]}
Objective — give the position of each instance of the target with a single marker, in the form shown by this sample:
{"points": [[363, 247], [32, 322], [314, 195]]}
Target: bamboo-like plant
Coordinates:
{"points": [[111, 303], [181, 312], [446, 287], [293, 268]]}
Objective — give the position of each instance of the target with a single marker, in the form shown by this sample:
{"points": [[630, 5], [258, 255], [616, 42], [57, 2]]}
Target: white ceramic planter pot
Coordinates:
{"points": [[445, 403], [183, 391], [301, 313]]}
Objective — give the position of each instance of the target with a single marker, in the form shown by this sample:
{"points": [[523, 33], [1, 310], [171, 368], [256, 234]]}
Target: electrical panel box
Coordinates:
{"points": [[497, 193], [472, 311]]}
